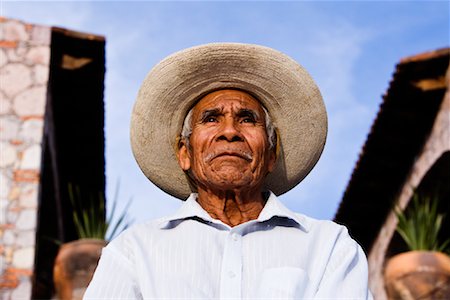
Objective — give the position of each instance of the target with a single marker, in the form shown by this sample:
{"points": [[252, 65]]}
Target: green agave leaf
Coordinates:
{"points": [[419, 225], [90, 219]]}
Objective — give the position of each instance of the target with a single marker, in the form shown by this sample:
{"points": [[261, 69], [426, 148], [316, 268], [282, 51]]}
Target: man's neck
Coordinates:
{"points": [[232, 207]]}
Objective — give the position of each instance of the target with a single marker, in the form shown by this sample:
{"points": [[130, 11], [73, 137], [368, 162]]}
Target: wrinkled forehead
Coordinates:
{"points": [[223, 99]]}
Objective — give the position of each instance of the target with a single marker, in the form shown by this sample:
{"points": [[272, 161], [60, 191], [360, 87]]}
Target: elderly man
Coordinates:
{"points": [[229, 127]]}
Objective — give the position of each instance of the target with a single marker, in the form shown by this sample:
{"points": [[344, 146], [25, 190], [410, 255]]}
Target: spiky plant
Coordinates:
{"points": [[91, 220], [419, 225]]}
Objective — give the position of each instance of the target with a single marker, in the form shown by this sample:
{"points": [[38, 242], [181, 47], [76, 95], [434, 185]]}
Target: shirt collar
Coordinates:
{"points": [[190, 208], [273, 208]]}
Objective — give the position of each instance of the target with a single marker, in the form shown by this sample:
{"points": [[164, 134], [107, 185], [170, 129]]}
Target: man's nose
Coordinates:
{"points": [[230, 132]]}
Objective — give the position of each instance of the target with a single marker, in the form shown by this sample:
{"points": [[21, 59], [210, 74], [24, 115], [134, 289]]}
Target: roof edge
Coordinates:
{"points": [[78, 34]]}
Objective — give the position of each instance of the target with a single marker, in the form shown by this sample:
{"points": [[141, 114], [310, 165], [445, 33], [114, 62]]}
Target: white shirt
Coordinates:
{"points": [[280, 255]]}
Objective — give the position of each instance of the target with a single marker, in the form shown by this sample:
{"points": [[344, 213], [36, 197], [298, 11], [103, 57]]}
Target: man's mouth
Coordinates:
{"points": [[237, 153]]}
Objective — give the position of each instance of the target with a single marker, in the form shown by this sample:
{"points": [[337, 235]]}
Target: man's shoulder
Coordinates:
{"points": [[323, 228], [142, 227], [136, 232]]}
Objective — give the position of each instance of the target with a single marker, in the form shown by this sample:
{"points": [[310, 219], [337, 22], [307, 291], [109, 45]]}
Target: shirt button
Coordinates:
{"points": [[231, 274], [234, 236]]}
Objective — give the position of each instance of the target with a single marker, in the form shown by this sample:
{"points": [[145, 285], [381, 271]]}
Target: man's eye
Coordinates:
{"points": [[248, 120], [210, 119]]}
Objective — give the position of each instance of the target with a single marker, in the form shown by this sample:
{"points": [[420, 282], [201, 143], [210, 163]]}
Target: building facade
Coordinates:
{"points": [[406, 151], [50, 79]]}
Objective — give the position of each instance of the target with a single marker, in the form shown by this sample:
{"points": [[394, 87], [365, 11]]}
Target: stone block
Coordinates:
{"points": [[15, 78], [9, 237], [6, 292], [14, 193], [5, 104], [30, 102], [3, 210], [13, 206], [2, 263], [38, 55], [23, 291], [26, 219], [16, 54], [4, 186], [9, 128], [26, 238], [23, 258], [31, 159], [40, 35], [32, 130], [8, 155], [11, 216], [28, 197], [14, 31], [8, 254], [3, 58], [40, 74]]}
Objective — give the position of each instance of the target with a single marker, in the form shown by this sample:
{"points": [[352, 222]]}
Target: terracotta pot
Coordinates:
{"points": [[74, 267], [418, 275]]}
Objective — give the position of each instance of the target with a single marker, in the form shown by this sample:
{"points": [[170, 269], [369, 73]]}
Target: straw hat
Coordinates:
{"points": [[175, 84]]}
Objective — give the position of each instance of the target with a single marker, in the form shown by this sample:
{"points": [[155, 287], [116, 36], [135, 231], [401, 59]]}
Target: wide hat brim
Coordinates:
{"points": [[175, 84]]}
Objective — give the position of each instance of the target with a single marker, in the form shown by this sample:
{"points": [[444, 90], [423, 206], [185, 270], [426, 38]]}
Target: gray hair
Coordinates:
{"points": [[270, 128]]}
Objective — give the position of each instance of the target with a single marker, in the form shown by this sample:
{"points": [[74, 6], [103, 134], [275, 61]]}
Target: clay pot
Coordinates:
{"points": [[418, 275], [74, 267]]}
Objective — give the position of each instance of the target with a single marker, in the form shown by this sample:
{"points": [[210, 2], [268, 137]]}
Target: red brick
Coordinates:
{"points": [[7, 226], [8, 44], [9, 279], [32, 117], [26, 176], [15, 209], [20, 272], [16, 142]]}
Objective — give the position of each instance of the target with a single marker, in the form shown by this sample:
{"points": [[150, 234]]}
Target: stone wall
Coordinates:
{"points": [[437, 144], [24, 69]]}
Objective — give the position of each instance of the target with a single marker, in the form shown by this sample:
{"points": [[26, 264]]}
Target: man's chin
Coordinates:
{"points": [[231, 181]]}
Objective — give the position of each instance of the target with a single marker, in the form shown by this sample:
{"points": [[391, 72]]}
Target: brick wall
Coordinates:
{"points": [[24, 68]]}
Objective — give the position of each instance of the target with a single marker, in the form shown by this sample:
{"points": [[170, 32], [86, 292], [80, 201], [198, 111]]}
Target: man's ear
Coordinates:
{"points": [[183, 156], [274, 153], [272, 161]]}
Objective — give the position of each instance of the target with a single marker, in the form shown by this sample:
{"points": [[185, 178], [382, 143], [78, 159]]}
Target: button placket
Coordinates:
{"points": [[231, 274]]}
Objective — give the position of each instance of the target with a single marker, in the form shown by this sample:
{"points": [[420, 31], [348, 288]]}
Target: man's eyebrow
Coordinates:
{"points": [[248, 112], [210, 112]]}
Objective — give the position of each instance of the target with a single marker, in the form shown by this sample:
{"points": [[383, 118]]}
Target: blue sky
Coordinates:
{"points": [[349, 47]]}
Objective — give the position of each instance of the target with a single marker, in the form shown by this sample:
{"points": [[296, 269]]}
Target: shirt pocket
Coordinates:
{"points": [[282, 283]]}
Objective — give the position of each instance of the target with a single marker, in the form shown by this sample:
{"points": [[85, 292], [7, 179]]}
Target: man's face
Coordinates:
{"points": [[229, 148]]}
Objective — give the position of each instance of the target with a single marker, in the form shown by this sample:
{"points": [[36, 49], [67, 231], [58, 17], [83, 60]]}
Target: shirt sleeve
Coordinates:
{"points": [[346, 274], [113, 278]]}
